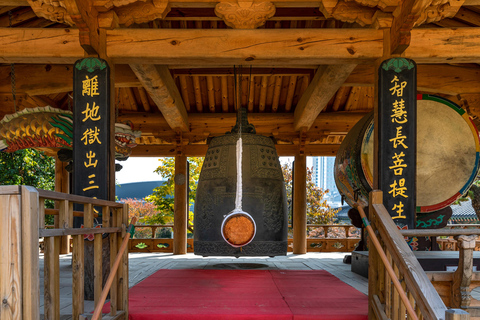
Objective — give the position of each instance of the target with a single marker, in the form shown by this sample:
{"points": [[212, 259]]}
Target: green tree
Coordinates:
{"points": [[163, 196], [318, 210], [27, 167], [31, 168]]}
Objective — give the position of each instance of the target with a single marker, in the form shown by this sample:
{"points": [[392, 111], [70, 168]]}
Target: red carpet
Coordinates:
{"points": [[198, 294]]}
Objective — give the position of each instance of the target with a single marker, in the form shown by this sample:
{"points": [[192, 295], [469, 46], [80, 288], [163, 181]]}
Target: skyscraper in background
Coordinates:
{"points": [[323, 178]]}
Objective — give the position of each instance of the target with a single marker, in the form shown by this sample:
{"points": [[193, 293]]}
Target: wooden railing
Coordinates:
{"points": [[22, 216], [384, 298], [449, 243], [455, 286], [322, 243]]}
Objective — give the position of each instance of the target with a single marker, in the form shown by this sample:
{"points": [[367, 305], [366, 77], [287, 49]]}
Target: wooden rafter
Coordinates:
{"points": [[324, 85], [159, 83]]}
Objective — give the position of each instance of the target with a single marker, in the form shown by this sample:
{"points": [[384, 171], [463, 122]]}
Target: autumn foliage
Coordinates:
{"points": [[318, 210], [163, 197]]}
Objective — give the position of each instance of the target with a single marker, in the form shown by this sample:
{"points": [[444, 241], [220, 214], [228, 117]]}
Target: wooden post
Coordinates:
{"points": [[181, 206], [10, 252], [113, 253], [375, 277], [456, 314], [62, 184], [77, 276], [52, 278], [463, 275], [122, 298], [30, 221], [98, 267], [300, 205], [378, 62]]}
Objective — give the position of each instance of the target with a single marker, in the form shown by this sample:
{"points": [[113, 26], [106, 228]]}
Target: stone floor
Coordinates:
{"points": [[142, 265]]}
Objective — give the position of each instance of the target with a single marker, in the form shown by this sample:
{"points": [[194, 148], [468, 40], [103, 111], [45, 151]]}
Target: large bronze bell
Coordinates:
{"points": [[259, 226]]}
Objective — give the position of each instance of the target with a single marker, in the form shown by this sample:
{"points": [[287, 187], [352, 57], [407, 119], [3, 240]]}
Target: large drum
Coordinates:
{"points": [[447, 156]]}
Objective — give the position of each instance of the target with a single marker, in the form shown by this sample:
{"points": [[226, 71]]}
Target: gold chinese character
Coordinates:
{"points": [[398, 189], [90, 136], [397, 89], [399, 114], [398, 140], [399, 209], [90, 86], [91, 113], [91, 182], [95, 210], [398, 164], [90, 188], [90, 155]]}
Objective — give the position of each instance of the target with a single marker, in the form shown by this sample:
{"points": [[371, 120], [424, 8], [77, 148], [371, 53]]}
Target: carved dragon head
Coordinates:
{"points": [[47, 127]]}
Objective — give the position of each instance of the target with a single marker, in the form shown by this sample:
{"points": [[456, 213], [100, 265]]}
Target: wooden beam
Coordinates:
{"points": [[159, 83], [35, 79], [224, 47], [26, 45], [405, 16], [199, 150], [247, 47], [324, 85], [444, 45], [214, 124], [14, 3], [84, 15], [445, 79]]}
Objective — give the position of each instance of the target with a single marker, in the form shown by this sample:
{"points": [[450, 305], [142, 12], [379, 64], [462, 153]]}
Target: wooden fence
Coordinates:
{"points": [[22, 217], [329, 241], [385, 300]]}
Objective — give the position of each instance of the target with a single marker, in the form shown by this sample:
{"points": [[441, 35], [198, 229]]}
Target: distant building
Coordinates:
{"points": [[137, 190], [323, 168]]}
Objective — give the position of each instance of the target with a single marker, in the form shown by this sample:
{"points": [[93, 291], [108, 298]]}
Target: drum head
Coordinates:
{"points": [[447, 153]]}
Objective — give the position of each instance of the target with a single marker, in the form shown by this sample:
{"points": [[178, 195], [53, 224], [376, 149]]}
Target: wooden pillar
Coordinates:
{"points": [[62, 184], [378, 62], [300, 205], [181, 206], [463, 275]]}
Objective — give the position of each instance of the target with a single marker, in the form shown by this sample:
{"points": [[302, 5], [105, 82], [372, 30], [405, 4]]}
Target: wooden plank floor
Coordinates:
{"points": [[142, 265]]}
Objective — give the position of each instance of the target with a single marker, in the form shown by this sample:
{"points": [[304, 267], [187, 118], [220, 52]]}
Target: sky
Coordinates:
{"points": [[137, 169]]}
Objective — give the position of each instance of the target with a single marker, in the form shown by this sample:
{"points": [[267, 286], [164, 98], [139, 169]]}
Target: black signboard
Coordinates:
{"points": [[397, 139], [91, 95]]}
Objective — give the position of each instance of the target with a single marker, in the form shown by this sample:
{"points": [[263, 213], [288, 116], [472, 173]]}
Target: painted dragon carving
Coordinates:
{"points": [[47, 127]]}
